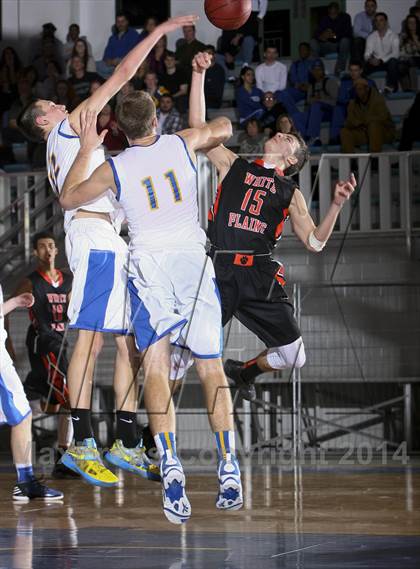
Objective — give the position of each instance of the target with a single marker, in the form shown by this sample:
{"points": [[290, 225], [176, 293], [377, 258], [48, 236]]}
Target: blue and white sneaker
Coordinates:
{"points": [[33, 489], [230, 486], [176, 505]]}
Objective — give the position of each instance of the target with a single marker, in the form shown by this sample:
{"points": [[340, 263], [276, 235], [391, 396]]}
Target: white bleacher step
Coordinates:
{"points": [[228, 112], [229, 92]]}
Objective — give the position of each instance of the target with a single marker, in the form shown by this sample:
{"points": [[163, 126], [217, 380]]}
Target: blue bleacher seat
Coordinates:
{"points": [[399, 95], [331, 56], [14, 168]]}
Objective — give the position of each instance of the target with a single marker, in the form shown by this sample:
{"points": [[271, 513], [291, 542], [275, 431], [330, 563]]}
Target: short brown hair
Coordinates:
{"points": [[27, 124], [135, 114]]}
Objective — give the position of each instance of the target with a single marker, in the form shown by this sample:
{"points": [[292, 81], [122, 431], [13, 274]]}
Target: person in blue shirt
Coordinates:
{"points": [[346, 93], [299, 73], [122, 41], [362, 27], [248, 96]]}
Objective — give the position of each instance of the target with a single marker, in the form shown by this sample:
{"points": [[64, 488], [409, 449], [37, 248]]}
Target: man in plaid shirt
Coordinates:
{"points": [[169, 119]]}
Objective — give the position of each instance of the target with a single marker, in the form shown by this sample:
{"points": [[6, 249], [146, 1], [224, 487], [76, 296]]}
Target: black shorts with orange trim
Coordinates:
{"points": [[251, 289], [49, 364]]}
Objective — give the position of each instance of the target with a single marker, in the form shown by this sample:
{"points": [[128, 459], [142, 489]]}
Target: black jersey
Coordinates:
{"points": [[49, 312], [250, 209]]}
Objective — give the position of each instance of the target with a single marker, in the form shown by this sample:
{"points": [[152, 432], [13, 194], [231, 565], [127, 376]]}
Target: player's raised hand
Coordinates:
{"points": [[24, 300], [343, 190], [89, 137], [178, 22], [201, 62]]}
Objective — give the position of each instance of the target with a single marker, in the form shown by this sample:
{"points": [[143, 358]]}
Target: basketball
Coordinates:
{"points": [[228, 14]]}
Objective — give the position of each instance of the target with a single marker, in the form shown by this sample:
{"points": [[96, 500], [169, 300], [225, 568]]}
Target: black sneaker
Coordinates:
{"points": [[60, 472], [150, 445], [25, 491], [233, 370]]}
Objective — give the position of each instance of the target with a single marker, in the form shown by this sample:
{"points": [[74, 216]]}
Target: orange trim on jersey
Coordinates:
{"points": [[217, 200], [49, 279], [280, 226]]}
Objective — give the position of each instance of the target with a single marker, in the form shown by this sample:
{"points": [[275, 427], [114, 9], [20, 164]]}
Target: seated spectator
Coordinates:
{"points": [[65, 95], [175, 81], [149, 26], [363, 26], [410, 130], [382, 52], [80, 79], [169, 118], [285, 124], [214, 82], [346, 92], [31, 74], [156, 57], [138, 79], [322, 97], [125, 90], [96, 83], [48, 36], [272, 111], [47, 88], [186, 48], [122, 40], [114, 139], [272, 74], [10, 66], [72, 36], [49, 53], [151, 86], [334, 36], [11, 133], [81, 49], [248, 96], [409, 53], [299, 74], [250, 31], [227, 51], [252, 140], [368, 120]]}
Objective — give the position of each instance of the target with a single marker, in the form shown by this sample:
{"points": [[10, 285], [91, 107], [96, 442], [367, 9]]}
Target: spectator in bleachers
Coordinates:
{"points": [[174, 80], [363, 26], [322, 97], [228, 50], [138, 79], [368, 120], [272, 74], [49, 53], [10, 66], [248, 96], [272, 110], [169, 118], [80, 79], [11, 133], [72, 36], [410, 130], [334, 36], [285, 124], [250, 31], [65, 95], [382, 52], [81, 49], [252, 140], [346, 92], [125, 90], [48, 36], [30, 73], [47, 88], [150, 24], [299, 74], [122, 40], [114, 139], [151, 86], [214, 82], [156, 57], [96, 83], [186, 48], [409, 53]]}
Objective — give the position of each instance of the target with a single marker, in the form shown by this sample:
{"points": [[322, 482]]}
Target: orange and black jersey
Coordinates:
{"points": [[250, 209], [49, 312]]}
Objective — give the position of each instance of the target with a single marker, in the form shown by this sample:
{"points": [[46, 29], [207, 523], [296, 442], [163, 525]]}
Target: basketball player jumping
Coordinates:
{"points": [[97, 257], [245, 222], [172, 285]]}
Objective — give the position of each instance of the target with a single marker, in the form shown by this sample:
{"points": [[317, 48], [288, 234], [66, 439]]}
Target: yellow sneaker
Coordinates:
{"points": [[86, 460], [133, 460]]}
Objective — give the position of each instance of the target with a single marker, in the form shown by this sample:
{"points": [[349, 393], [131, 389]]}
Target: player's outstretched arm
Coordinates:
{"points": [[127, 68], [220, 156], [315, 237], [24, 300], [78, 190]]}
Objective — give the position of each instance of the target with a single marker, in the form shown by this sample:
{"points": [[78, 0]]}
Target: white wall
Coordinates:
{"points": [[396, 10]]}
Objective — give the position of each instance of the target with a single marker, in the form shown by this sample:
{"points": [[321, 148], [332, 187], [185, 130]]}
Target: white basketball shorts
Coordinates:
{"points": [[14, 406], [175, 293], [97, 257]]}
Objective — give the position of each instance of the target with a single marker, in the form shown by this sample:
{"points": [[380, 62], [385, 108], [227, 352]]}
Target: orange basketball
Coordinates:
{"points": [[228, 14]]}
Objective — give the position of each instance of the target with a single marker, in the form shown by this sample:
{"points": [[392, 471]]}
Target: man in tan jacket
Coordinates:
{"points": [[368, 120]]}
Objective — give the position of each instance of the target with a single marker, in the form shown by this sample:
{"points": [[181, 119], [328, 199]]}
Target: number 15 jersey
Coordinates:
{"points": [[157, 188]]}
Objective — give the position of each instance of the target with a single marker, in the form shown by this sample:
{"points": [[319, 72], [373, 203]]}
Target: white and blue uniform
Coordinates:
{"points": [[14, 406], [171, 280], [97, 255]]}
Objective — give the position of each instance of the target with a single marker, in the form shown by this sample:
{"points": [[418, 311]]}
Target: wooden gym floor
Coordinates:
{"points": [[327, 516]]}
